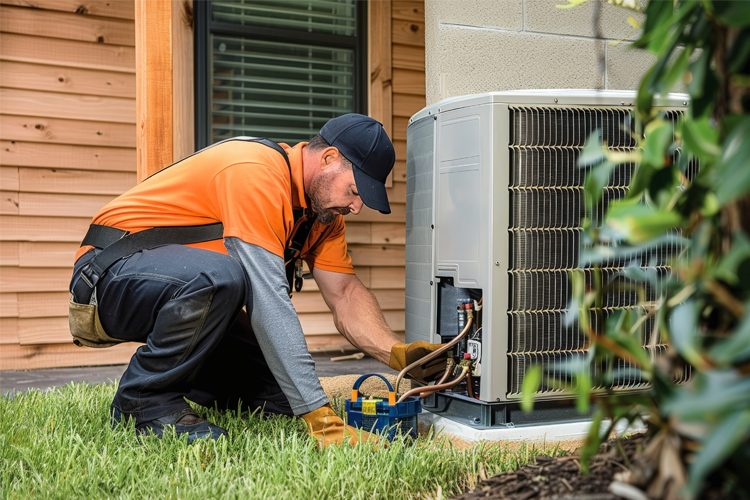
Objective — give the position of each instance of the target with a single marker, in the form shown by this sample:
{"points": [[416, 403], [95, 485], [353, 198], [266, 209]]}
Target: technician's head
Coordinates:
{"points": [[354, 156]]}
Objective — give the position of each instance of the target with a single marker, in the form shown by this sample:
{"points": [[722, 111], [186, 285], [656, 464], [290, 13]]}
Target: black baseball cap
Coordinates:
{"points": [[363, 141]]}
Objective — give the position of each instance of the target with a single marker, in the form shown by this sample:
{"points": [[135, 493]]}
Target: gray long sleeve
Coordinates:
{"points": [[277, 327]]}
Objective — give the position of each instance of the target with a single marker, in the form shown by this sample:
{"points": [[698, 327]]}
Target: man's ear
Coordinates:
{"points": [[328, 157]]}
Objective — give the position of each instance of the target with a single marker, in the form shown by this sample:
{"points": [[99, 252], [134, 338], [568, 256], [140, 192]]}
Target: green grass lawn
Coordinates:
{"points": [[58, 444]]}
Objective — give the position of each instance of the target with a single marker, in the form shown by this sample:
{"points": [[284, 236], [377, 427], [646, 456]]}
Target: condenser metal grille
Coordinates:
{"points": [[547, 209]]}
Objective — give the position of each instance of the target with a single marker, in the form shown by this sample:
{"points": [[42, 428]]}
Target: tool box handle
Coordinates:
{"points": [[355, 388]]}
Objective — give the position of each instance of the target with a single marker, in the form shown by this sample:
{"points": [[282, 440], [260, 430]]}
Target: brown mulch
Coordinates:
{"points": [[553, 478]]}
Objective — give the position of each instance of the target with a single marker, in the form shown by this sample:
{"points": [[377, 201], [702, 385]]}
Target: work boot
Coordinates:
{"points": [[185, 421]]}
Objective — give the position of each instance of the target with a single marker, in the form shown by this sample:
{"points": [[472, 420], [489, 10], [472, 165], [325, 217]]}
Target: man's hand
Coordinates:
{"points": [[402, 355], [327, 428]]}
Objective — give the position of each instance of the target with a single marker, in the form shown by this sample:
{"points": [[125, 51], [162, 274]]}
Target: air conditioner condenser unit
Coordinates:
{"points": [[494, 209]]}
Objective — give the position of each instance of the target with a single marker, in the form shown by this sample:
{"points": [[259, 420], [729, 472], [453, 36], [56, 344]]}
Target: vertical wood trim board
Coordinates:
{"points": [[153, 63], [380, 67], [183, 133]]}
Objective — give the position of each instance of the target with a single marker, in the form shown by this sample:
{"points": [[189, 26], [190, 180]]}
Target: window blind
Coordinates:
{"points": [[316, 16], [284, 91]]}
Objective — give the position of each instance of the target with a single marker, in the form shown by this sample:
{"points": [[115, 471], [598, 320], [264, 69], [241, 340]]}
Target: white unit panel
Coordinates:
{"points": [[459, 195]]}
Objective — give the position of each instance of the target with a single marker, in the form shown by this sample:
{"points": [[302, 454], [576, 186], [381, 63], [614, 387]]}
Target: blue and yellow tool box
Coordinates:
{"points": [[378, 414]]}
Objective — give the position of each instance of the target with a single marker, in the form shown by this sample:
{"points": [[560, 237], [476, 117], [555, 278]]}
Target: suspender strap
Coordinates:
{"points": [[262, 140], [291, 254], [300, 236], [118, 244]]}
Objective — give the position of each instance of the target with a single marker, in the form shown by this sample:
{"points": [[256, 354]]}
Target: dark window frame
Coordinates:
{"points": [[203, 27]]}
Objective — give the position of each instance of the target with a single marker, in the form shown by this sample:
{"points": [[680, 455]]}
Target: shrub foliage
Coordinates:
{"points": [[699, 429]]}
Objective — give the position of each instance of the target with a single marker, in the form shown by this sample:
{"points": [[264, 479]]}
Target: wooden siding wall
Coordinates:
{"points": [[67, 147], [68, 136]]}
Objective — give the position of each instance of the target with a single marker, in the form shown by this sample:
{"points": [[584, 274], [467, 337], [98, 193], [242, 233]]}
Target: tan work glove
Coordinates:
{"points": [[327, 428], [402, 355]]}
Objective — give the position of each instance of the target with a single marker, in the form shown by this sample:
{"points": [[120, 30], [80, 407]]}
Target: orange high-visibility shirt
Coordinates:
{"points": [[244, 185]]}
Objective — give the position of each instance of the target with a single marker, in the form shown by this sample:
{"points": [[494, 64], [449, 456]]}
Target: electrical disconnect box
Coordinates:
{"points": [[493, 224]]}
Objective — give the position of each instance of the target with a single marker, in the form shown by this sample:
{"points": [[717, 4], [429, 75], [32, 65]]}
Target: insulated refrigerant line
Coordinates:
{"points": [[436, 353], [426, 391]]}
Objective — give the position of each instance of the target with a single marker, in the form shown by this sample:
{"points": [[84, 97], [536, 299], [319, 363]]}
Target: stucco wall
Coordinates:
{"points": [[474, 46]]}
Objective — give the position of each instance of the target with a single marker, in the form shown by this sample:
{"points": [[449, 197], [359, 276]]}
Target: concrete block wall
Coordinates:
{"points": [[475, 46]]}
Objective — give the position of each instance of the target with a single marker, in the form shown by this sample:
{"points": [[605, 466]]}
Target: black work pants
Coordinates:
{"points": [[185, 304]]}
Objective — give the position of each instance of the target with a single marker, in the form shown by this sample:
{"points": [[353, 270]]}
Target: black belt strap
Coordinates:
{"points": [[129, 244], [102, 236], [118, 244]]}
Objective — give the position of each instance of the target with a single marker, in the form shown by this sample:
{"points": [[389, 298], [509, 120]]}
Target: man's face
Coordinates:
{"points": [[333, 192]]}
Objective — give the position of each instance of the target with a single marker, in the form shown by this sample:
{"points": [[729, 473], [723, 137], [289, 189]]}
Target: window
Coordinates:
{"points": [[277, 68]]}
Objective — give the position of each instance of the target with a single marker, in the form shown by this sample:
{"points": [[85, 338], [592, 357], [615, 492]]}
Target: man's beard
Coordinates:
{"points": [[320, 197]]}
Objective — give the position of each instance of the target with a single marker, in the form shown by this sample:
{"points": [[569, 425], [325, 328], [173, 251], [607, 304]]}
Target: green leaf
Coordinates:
{"points": [[717, 446], [683, 332], [658, 139], [618, 327], [664, 50], [645, 99], [663, 186], [667, 34], [701, 30], [597, 255], [698, 71], [732, 179], [735, 13], [703, 105], [736, 348], [739, 53], [594, 440], [641, 180], [637, 222], [634, 272], [594, 151], [676, 71], [709, 394], [656, 14], [627, 252], [532, 380], [577, 302], [582, 390], [729, 265], [701, 140], [711, 205], [596, 179], [577, 363]]}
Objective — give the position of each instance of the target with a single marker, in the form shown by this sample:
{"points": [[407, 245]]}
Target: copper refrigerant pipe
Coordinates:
{"points": [[436, 353], [431, 389], [448, 370]]}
